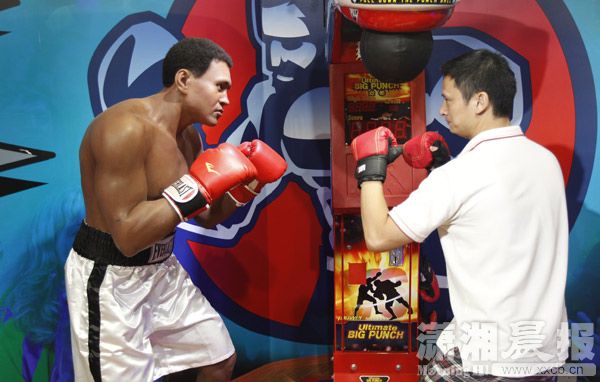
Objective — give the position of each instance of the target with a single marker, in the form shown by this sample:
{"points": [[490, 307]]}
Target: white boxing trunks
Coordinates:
{"points": [[139, 322]]}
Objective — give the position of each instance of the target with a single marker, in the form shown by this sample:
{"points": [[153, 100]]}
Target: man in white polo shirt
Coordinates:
{"points": [[500, 211]]}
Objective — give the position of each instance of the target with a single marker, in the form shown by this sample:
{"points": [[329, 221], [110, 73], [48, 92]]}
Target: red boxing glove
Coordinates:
{"points": [[270, 166], [373, 151], [213, 173], [428, 150]]}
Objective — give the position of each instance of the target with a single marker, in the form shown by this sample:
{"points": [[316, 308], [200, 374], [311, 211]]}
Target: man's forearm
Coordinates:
{"points": [[381, 233], [374, 211]]}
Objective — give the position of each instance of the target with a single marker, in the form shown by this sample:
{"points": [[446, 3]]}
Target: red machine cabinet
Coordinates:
{"points": [[401, 178], [376, 294]]}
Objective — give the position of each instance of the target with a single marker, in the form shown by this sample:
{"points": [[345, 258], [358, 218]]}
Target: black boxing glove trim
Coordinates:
{"points": [[371, 168], [440, 156], [186, 198], [394, 152]]}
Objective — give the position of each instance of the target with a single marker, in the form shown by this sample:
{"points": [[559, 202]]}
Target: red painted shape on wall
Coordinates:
{"points": [[228, 29], [273, 270]]}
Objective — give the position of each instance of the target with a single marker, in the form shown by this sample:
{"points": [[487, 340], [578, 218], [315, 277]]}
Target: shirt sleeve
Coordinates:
{"points": [[428, 207]]}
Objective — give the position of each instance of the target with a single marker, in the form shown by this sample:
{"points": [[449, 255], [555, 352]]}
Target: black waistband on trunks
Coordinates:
{"points": [[100, 247]]}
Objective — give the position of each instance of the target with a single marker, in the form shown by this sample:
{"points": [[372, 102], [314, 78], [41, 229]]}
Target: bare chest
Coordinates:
{"points": [[165, 163]]}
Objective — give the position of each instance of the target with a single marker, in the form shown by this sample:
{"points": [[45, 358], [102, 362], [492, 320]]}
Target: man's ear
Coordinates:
{"points": [[182, 78], [482, 102]]}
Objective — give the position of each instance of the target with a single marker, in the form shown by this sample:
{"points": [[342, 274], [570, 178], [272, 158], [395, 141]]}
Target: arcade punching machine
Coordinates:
{"points": [[379, 50]]}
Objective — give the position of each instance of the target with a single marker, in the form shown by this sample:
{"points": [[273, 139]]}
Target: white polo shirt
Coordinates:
{"points": [[501, 215]]}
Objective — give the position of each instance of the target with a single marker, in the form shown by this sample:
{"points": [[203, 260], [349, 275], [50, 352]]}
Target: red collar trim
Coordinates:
{"points": [[494, 139]]}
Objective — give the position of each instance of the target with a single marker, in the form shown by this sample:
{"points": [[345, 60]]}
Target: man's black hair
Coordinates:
{"points": [[484, 71]]}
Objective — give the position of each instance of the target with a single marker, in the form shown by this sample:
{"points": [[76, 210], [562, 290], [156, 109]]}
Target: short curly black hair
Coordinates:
{"points": [[194, 54]]}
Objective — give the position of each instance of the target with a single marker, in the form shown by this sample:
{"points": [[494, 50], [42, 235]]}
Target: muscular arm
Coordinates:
{"points": [[120, 189], [381, 233]]}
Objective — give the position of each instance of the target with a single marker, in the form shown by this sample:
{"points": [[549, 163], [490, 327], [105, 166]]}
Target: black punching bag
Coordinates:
{"points": [[395, 57]]}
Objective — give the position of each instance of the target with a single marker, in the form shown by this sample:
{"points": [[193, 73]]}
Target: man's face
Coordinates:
{"points": [[459, 114], [286, 37], [208, 93]]}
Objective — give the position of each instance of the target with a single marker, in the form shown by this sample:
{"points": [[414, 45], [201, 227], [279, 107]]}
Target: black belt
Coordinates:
{"points": [[100, 247]]}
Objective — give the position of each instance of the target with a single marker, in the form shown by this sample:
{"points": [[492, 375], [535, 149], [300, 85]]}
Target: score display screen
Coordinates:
{"points": [[370, 103]]}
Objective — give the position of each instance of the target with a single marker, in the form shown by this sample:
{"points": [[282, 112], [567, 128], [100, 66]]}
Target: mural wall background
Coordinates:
{"points": [[268, 269]]}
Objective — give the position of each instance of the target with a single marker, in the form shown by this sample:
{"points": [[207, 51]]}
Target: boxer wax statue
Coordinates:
{"points": [[500, 211], [135, 314]]}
